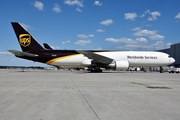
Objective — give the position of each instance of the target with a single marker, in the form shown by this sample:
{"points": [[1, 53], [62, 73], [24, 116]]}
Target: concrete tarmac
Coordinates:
{"points": [[66, 95]]}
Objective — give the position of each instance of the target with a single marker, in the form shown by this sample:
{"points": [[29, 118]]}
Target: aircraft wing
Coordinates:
{"points": [[19, 53], [96, 58]]}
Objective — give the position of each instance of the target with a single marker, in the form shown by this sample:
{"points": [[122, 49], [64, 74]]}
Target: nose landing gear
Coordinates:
{"points": [[161, 69]]}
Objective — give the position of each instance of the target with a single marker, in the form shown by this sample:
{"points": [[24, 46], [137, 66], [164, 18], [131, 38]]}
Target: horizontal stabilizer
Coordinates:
{"points": [[20, 54]]}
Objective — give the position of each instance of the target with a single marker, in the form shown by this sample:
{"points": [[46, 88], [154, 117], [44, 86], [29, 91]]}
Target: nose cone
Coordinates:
{"points": [[171, 60]]}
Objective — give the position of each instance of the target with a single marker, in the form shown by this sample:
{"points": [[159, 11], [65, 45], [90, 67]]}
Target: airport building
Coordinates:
{"points": [[173, 51]]}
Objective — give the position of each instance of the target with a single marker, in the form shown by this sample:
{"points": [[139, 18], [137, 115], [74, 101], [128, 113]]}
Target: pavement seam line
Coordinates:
{"points": [[85, 99]]}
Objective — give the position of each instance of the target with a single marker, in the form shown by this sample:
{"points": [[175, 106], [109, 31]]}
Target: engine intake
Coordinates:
{"points": [[119, 65]]}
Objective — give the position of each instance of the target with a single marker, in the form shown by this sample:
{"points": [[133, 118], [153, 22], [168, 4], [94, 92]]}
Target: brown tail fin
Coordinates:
{"points": [[26, 41]]}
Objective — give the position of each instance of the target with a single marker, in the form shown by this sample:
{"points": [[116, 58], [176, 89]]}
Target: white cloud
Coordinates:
{"points": [[82, 36], [136, 29], [112, 40], [156, 37], [55, 47], [145, 33], [129, 44], [178, 16], [56, 8], [100, 30], [25, 26], [139, 46], [141, 39], [133, 47], [106, 22], [130, 16], [91, 35], [121, 40], [144, 14], [154, 15], [78, 9], [68, 41], [65, 42], [99, 48], [4, 58], [141, 42], [85, 36], [161, 45], [5, 53], [74, 2], [78, 3], [83, 42], [39, 5], [97, 3], [148, 33]]}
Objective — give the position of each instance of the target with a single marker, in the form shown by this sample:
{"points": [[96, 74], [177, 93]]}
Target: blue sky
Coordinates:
{"points": [[90, 25]]}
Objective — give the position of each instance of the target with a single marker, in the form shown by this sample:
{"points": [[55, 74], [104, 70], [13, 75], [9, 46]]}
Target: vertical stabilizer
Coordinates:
{"points": [[26, 41]]}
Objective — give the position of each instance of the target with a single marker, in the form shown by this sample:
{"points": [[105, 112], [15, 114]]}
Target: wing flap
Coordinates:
{"points": [[96, 57]]}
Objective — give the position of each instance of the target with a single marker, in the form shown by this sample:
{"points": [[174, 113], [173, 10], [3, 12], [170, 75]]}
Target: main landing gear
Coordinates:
{"points": [[95, 70]]}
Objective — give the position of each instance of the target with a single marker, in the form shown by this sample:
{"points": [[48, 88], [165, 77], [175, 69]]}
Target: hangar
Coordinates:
{"points": [[173, 51]]}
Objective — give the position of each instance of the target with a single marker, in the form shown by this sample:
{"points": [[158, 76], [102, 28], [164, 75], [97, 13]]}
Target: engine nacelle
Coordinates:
{"points": [[119, 65], [86, 62]]}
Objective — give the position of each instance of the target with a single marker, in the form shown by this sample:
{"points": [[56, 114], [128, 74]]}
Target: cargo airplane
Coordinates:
{"points": [[91, 59]]}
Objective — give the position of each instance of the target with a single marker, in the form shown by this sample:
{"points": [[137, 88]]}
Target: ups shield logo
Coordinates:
{"points": [[25, 40]]}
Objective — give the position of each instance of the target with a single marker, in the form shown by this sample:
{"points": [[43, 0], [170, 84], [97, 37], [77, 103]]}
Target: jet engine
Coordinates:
{"points": [[119, 65]]}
